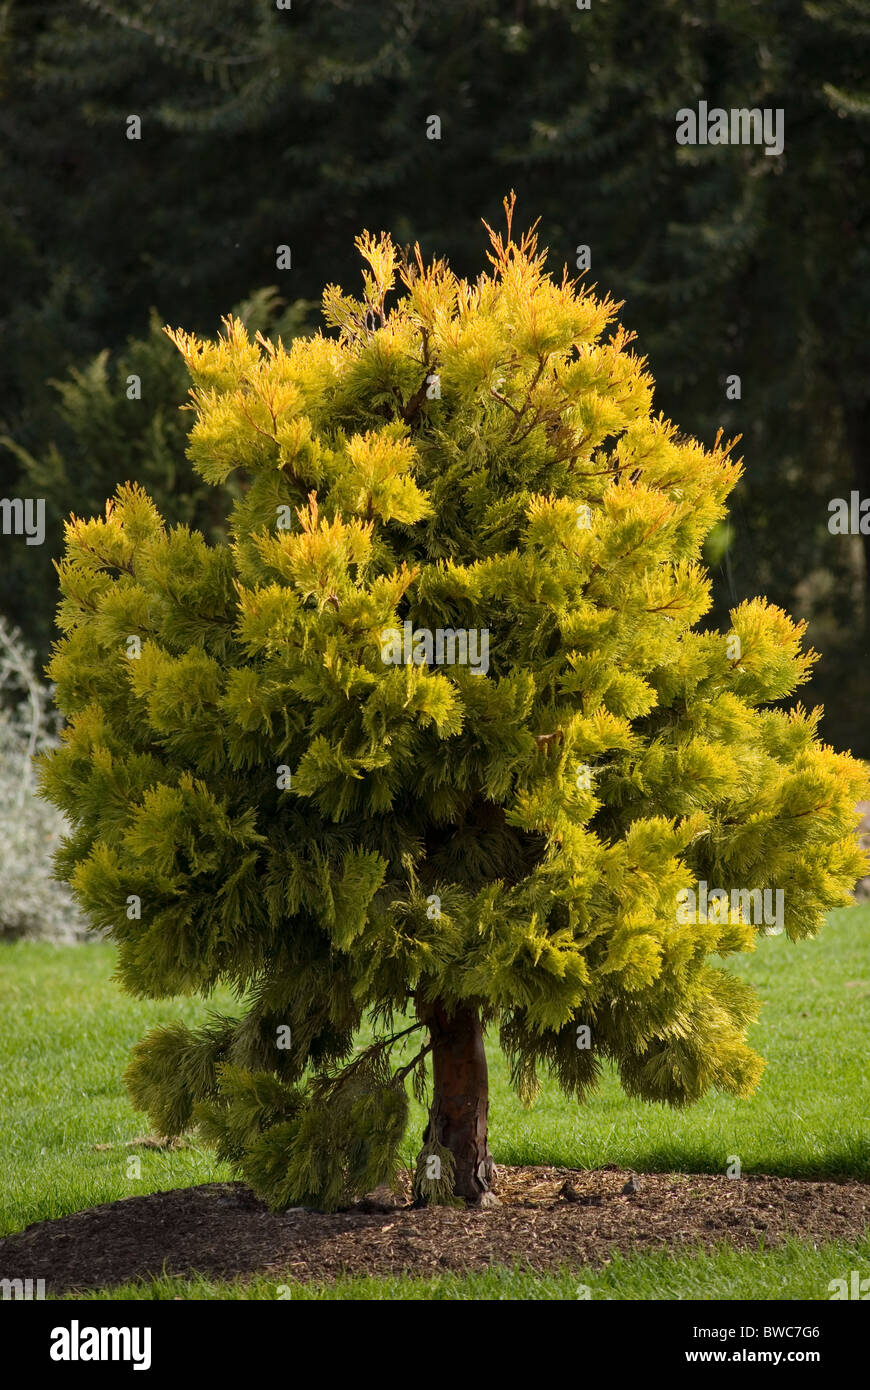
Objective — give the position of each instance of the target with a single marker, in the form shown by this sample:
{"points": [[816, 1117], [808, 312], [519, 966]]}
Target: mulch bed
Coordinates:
{"points": [[549, 1218]]}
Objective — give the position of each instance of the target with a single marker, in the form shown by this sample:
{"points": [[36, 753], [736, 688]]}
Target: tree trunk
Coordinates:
{"points": [[460, 1098]]}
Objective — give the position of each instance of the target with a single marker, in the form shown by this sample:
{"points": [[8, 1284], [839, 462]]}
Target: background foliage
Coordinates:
{"points": [[32, 903]]}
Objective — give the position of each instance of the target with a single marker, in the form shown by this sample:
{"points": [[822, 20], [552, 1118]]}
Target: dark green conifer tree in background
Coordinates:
{"points": [[260, 798]]}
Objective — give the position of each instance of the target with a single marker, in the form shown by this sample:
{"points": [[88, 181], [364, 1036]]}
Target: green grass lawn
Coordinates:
{"points": [[798, 1270], [66, 1031]]}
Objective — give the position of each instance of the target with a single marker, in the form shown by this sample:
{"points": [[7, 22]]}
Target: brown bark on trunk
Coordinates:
{"points": [[460, 1098]]}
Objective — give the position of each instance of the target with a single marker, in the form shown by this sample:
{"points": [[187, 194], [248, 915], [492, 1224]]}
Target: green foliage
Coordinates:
{"points": [[260, 798], [730, 261], [112, 421]]}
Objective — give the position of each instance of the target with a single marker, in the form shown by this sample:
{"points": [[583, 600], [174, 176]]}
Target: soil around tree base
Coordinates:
{"points": [[223, 1231]]}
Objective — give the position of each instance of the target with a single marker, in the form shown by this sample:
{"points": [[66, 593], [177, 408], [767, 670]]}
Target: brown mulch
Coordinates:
{"points": [[549, 1218]]}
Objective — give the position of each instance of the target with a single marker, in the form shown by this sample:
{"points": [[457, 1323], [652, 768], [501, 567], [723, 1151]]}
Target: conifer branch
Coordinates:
{"points": [[415, 1062]]}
